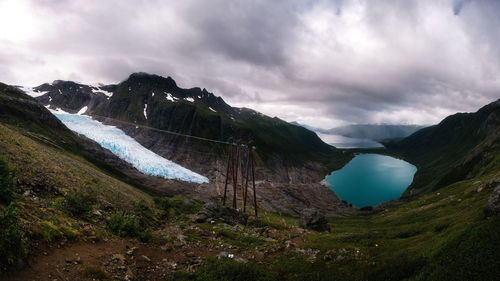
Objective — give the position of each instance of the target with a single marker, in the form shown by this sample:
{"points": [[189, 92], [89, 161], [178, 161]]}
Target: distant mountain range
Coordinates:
{"points": [[375, 132]]}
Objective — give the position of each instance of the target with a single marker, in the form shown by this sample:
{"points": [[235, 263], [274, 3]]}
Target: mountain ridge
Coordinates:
{"points": [[156, 101], [451, 150]]}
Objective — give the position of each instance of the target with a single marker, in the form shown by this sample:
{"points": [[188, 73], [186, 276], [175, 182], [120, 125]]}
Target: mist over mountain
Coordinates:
{"points": [[377, 132], [361, 135]]}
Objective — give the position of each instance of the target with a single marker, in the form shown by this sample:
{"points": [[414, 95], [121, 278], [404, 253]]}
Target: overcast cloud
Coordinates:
{"points": [[322, 63]]}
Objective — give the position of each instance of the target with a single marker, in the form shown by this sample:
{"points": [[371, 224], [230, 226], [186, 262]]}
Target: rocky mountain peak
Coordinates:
{"points": [[143, 78]]}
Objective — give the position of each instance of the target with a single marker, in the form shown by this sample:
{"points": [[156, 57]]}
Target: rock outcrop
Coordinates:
{"points": [[214, 212], [492, 207], [314, 220]]}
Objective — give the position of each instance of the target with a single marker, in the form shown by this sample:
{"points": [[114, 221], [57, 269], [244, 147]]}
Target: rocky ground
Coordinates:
{"points": [[178, 249]]}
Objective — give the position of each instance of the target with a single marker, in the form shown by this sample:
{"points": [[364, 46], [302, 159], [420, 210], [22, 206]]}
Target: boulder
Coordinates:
{"points": [[492, 207], [314, 220], [214, 212]]}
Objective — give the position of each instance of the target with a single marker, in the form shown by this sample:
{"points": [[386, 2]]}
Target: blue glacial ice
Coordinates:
{"points": [[127, 148]]}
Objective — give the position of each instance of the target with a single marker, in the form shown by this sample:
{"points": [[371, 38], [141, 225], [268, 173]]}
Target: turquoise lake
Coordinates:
{"points": [[370, 179]]}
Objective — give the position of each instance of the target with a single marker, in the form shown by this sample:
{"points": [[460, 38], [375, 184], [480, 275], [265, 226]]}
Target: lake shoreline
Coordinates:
{"points": [[371, 179]]}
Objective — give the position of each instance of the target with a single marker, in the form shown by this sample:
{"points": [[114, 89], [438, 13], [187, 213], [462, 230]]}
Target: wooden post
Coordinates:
{"points": [[247, 169], [228, 170], [235, 179], [253, 179]]}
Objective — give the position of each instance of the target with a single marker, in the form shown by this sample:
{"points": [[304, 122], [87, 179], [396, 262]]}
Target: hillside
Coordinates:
{"points": [[460, 147], [157, 102]]}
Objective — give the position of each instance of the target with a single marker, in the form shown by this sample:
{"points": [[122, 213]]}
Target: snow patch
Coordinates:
{"points": [[83, 110], [190, 99], [170, 97], [145, 113], [60, 92], [153, 94], [31, 92], [96, 89], [127, 148], [212, 109], [58, 111]]}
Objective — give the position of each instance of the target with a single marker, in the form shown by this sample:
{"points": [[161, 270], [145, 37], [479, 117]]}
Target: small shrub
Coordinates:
{"points": [[441, 227], [146, 235], [11, 236], [79, 204], [162, 203], [47, 231], [184, 206], [124, 225], [145, 214], [262, 222], [7, 181]]}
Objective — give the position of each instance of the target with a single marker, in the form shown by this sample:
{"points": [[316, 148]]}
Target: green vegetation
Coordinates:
{"points": [[459, 147], [12, 246], [51, 231], [470, 256], [182, 205], [227, 270], [79, 204], [124, 225], [7, 181]]}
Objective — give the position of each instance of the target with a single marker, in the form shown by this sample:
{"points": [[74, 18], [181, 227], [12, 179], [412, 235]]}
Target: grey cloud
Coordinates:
{"points": [[255, 32], [355, 61]]}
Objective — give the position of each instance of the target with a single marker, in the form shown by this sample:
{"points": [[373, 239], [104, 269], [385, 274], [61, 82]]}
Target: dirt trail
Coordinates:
{"points": [[121, 259]]}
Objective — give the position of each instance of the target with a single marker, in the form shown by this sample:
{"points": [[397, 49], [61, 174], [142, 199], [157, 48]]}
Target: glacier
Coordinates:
{"points": [[127, 148]]}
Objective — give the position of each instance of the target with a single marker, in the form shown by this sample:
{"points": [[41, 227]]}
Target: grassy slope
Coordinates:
{"points": [[54, 173], [440, 149], [49, 163]]}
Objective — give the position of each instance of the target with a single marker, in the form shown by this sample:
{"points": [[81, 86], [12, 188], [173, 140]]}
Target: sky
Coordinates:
{"points": [[321, 63]]}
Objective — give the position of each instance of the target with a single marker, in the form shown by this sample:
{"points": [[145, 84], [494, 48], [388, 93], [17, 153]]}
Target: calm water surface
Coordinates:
{"points": [[370, 179]]}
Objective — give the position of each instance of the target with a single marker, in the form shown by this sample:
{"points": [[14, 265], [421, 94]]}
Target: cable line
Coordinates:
{"points": [[146, 127]]}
